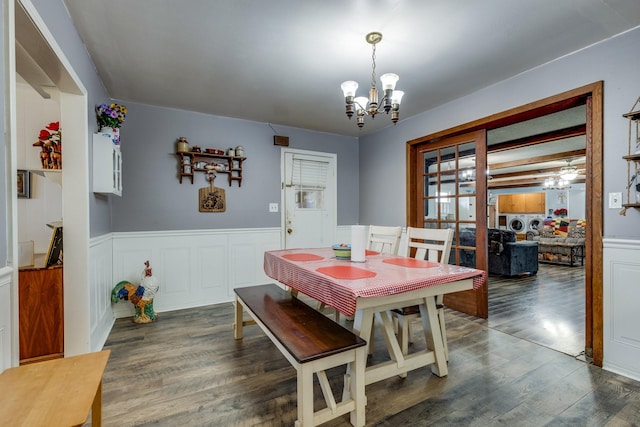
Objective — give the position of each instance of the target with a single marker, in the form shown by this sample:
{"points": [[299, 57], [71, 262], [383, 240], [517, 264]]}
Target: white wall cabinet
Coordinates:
{"points": [[107, 166]]}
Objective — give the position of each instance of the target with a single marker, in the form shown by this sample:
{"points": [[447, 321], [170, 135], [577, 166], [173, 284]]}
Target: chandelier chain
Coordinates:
{"points": [[373, 67]]}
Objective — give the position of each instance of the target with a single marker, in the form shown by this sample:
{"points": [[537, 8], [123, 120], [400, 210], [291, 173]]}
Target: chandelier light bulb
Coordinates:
{"points": [[389, 81], [396, 97], [349, 88]]}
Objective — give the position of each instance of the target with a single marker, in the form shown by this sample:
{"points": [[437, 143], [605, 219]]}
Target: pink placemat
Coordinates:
{"points": [[302, 257], [346, 272], [411, 262]]}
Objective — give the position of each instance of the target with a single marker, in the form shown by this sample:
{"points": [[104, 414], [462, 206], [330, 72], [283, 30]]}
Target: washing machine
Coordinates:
{"points": [[517, 223], [535, 221]]}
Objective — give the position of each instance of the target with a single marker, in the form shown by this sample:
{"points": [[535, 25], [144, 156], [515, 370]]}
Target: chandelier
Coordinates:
{"points": [[568, 173], [559, 183], [369, 107]]}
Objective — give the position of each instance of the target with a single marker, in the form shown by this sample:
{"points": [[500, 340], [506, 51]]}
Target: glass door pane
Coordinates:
{"points": [[449, 196]]}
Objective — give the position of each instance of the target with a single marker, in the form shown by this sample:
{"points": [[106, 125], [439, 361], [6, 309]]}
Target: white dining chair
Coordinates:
{"points": [[384, 239], [429, 244]]}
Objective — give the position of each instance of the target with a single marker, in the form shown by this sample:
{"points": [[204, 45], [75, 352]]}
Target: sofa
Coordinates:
{"points": [[560, 241], [507, 257]]}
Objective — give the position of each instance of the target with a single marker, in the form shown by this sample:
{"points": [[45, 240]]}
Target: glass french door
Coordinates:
{"points": [[452, 192], [449, 197]]}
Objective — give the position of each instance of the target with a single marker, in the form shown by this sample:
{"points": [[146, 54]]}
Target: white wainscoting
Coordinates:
{"points": [[101, 276], [195, 267], [6, 275], [621, 294]]}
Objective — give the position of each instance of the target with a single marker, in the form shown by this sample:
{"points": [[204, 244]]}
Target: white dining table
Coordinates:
{"points": [[370, 289]]}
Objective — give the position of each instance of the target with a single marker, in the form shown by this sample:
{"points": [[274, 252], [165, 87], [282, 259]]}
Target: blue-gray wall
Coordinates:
{"points": [[154, 200], [58, 21], [378, 194], [615, 61]]}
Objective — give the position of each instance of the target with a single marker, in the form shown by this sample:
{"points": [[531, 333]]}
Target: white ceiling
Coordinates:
{"points": [[282, 61]]}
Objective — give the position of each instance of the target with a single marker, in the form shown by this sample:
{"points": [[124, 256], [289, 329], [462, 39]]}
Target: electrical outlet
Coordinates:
{"points": [[273, 207], [615, 200]]}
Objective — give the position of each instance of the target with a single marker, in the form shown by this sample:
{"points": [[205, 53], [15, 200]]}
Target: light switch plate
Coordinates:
{"points": [[273, 207], [615, 200]]}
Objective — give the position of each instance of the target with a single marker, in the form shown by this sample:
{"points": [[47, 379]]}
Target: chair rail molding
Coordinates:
{"points": [[621, 291]]}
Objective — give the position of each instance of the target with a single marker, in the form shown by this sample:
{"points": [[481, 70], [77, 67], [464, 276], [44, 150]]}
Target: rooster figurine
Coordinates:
{"points": [[141, 296]]}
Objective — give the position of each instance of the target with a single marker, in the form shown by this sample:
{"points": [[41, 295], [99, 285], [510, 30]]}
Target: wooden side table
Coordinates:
{"points": [[54, 393]]}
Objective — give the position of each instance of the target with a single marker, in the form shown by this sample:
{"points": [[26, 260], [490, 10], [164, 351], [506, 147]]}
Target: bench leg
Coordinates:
{"points": [[305, 396], [357, 372]]}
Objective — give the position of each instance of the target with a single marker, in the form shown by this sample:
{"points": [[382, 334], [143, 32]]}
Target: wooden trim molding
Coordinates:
{"points": [[592, 96]]}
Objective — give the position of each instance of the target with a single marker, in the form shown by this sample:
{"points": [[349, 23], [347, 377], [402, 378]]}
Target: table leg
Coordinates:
{"points": [[96, 407], [362, 324], [238, 322], [433, 336]]}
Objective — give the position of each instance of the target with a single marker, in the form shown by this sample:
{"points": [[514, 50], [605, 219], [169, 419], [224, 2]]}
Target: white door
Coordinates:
{"points": [[309, 198]]}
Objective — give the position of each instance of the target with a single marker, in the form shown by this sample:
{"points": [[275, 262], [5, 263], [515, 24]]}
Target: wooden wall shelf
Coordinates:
{"points": [[189, 160], [633, 159]]}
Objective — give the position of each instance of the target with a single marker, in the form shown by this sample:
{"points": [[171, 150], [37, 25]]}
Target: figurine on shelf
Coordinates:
{"points": [[183, 145], [195, 149], [50, 143]]}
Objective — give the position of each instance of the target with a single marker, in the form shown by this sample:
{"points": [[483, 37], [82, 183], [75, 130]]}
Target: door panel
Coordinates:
{"points": [[309, 199], [451, 181]]}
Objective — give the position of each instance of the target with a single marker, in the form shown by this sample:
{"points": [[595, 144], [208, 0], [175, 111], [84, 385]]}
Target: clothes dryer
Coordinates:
{"points": [[517, 223], [535, 221]]}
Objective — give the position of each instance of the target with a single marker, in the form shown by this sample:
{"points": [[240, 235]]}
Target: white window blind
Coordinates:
{"points": [[309, 173]]}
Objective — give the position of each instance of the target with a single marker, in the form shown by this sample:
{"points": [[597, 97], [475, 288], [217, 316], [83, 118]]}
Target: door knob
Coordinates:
{"points": [[289, 230]]}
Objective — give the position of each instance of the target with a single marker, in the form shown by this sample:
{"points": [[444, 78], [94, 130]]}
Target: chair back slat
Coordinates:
{"points": [[431, 244]]}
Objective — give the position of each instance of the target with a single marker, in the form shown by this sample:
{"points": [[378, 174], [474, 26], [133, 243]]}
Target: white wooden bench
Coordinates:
{"points": [[312, 343]]}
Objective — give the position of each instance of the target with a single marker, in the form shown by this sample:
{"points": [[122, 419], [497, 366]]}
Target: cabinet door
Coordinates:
{"points": [[535, 203], [107, 166], [41, 318], [505, 205], [518, 202]]}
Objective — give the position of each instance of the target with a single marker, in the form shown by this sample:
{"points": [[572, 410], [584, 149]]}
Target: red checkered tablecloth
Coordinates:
{"points": [[342, 294]]}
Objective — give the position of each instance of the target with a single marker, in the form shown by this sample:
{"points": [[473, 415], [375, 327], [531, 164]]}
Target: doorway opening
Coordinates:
{"points": [[591, 97], [41, 63]]}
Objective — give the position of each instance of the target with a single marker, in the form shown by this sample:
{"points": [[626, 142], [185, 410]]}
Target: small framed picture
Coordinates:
{"points": [[24, 184]]}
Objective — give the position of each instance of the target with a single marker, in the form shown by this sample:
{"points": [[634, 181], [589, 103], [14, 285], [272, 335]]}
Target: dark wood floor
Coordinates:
{"points": [[547, 308], [187, 370]]}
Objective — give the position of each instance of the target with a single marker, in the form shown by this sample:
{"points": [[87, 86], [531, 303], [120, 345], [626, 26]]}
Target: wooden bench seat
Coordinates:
{"points": [[312, 343], [54, 393]]}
